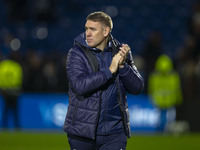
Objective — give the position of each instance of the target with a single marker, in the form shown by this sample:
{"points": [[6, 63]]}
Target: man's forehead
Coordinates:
{"points": [[90, 23]]}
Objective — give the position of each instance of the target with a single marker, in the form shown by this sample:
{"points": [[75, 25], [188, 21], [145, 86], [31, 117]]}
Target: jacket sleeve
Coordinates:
{"points": [[130, 77], [80, 79]]}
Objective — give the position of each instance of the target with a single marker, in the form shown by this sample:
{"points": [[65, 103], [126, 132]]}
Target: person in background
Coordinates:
{"points": [[164, 89], [152, 50], [11, 76], [100, 71]]}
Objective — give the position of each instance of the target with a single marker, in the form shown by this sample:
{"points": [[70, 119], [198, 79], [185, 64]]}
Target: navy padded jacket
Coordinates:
{"points": [[85, 91]]}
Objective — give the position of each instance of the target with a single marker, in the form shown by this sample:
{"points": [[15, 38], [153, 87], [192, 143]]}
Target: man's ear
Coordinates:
{"points": [[106, 31]]}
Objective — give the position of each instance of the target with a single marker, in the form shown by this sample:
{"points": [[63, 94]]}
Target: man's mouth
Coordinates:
{"points": [[89, 40]]}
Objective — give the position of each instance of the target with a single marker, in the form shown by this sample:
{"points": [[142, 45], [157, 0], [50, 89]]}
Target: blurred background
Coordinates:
{"points": [[36, 35]]}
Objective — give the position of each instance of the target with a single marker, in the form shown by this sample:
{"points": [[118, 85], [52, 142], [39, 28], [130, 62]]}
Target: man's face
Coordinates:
{"points": [[95, 34]]}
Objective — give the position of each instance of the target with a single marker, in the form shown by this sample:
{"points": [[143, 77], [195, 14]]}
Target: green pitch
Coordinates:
{"points": [[58, 141]]}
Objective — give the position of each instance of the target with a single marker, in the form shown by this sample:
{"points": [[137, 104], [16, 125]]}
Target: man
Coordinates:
{"points": [[11, 77], [164, 89], [100, 72]]}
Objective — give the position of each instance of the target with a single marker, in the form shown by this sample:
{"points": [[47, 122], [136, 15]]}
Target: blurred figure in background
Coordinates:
{"points": [[187, 62], [164, 89], [151, 52], [11, 76]]}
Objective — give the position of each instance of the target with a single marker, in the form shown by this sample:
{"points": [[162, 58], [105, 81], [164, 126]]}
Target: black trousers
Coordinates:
{"points": [[102, 142], [11, 106]]}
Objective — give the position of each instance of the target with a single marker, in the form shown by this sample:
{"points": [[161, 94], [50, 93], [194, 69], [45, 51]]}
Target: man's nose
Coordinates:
{"points": [[88, 33]]}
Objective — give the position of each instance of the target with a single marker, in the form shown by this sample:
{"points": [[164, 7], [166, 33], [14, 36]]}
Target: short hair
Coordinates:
{"points": [[101, 17]]}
